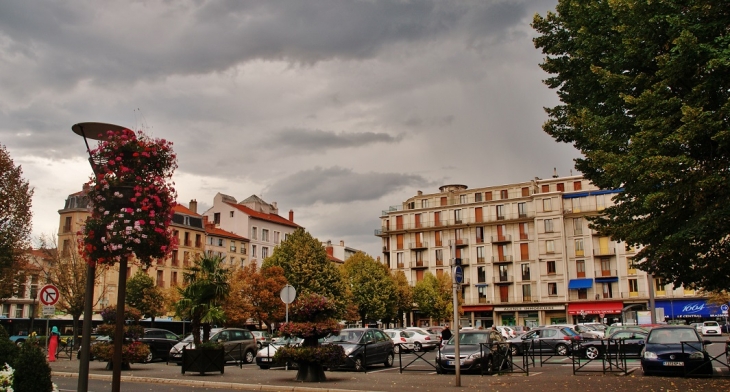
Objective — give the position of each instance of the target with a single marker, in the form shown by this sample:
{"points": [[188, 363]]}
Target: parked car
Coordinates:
{"points": [[94, 340], [239, 345], [520, 330], [558, 340], [472, 353], [697, 326], [364, 347], [711, 328], [263, 338], [265, 356], [507, 332], [423, 340], [675, 350], [584, 331], [610, 330], [160, 341], [632, 343], [402, 339]]}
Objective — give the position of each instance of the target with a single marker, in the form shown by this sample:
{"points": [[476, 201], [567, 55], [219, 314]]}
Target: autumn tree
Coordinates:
{"points": [[67, 270], [255, 294], [306, 267], [433, 295], [15, 222], [403, 294], [145, 296], [373, 291], [645, 92]]}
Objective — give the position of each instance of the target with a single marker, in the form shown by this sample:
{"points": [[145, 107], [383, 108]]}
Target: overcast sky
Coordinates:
{"points": [[334, 109]]}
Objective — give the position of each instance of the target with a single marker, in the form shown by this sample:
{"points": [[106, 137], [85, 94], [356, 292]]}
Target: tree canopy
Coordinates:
{"points": [[403, 294], [144, 295], [15, 222], [255, 294], [645, 92], [433, 295], [372, 288], [306, 267]]}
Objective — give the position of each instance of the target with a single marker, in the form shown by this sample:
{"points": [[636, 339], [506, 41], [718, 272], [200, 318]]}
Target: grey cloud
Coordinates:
{"points": [[338, 185], [314, 140]]}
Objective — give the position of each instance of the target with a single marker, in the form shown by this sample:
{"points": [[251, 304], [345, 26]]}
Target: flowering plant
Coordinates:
{"points": [[133, 352], [330, 355], [6, 379], [132, 199]]}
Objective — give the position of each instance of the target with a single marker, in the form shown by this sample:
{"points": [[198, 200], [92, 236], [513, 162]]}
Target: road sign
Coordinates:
{"points": [[288, 293], [724, 308], [49, 310], [49, 295], [458, 274]]}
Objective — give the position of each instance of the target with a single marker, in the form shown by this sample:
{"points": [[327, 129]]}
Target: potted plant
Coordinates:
{"points": [[313, 319], [133, 351], [206, 286]]}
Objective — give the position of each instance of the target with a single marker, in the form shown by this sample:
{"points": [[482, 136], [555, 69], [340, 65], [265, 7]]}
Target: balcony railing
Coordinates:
{"points": [[439, 263], [604, 252], [609, 273], [418, 245], [66, 228], [460, 242], [419, 264], [464, 261], [501, 238], [401, 265], [481, 260], [386, 249], [410, 226], [187, 243], [502, 279], [501, 259]]}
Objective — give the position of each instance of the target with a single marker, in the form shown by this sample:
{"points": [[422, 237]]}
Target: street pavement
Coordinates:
{"points": [[418, 376]]}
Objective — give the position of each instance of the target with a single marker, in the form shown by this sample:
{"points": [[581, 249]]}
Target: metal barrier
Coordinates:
{"points": [[546, 351], [353, 361], [419, 356], [227, 356], [497, 357], [611, 353], [700, 346]]}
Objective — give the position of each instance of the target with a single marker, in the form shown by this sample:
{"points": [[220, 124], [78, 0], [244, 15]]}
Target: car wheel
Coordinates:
{"points": [[489, 365], [417, 347], [359, 364], [389, 360], [149, 358], [259, 346], [592, 352], [249, 357], [396, 349], [561, 349], [439, 369]]}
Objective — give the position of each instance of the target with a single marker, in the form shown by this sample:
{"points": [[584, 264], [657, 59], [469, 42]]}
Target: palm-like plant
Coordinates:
{"points": [[206, 286]]}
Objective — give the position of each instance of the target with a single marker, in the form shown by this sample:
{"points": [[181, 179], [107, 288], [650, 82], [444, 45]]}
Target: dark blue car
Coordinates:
{"points": [[675, 350]]}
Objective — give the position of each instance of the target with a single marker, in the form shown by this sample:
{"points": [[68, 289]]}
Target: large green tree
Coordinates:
{"points": [[645, 91], [306, 267], [255, 294], [145, 296], [372, 288], [403, 294], [15, 222], [433, 295]]}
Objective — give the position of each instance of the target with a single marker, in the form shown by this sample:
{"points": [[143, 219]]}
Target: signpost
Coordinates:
{"points": [[288, 293], [49, 296]]}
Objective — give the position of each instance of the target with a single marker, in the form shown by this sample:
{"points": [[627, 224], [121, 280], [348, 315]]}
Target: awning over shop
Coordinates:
{"points": [[607, 280], [611, 307], [481, 284], [477, 308], [576, 284]]}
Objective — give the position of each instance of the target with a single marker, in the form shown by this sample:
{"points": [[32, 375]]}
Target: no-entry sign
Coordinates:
{"points": [[49, 295]]}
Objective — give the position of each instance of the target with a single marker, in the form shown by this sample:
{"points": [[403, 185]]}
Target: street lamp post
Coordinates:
{"points": [[94, 131]]}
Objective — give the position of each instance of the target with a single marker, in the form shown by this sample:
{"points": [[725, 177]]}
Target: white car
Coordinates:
{"points": [[423, 340], [402, 339], [711, 328], [265, 356], [507, 332]]}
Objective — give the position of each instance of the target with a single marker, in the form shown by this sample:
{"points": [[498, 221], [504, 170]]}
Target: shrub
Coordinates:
{"points": [[32, 372], [134, 352], [8, 349], [329, 355]]}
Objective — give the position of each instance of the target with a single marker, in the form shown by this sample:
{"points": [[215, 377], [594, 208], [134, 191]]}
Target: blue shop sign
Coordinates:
{"points": [[688, 308]]}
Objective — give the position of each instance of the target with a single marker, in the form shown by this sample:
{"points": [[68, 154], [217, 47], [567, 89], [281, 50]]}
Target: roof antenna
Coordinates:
{"points": [[555, 172]]}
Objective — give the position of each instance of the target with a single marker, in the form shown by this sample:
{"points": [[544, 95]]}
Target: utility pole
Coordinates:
{"points": [[455, 264]]}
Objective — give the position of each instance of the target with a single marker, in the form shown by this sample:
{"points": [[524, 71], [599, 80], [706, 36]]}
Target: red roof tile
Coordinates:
{"points": [[263, 216], [184, 210], [212, 230]]}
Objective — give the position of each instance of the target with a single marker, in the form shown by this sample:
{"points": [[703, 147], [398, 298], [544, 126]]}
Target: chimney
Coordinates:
{"points": [[342, 243], [86, 187], [291, 215], [420, 193], [555, 172], [205, 220], [194, 206], [330, 250]]}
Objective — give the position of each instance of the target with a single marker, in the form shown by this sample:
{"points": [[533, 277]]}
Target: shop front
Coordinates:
{"points": [[595, 311], [477, 316], [691, 310], [530, 316]]}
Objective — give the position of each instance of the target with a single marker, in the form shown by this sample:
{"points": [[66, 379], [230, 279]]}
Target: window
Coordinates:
{"points": [[607, 290], [444, 201], [523, 231], [19, 311], [577, 226], [525, 251], [264, 252], [399, 259], [265, 235], [487, 196], [481, 275], [480, 254], [503, 277], [173, 279], [480, 235], [552, 288], [522, 210], [525, 191], [660, 284], [186, 258], [198, 241], [160, 281], [550, 246], [438, 236], [526, 293], [220, 241], [233, 246], [66, 248], [457, 216], [633, 286], [477, 197], [439, 256], [6, 310], [551, 267], [67, 225], [482, 294], [253, 250], [186, 239], [548, 225], [503, 194], [462, 199], [500, 212], [579, 247], [580, 268], [545, 188], [631, 266], [174, 258], [582, 293], [561, 187], [276, 237], [547, 205], [525, 267], [424, 203], [437, 218], [419, 257], [217, 218], [254, 233], [577, 186]]}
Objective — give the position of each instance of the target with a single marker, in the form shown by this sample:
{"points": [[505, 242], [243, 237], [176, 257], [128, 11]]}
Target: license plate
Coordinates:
{"points": [[673, 363], [265, 359], [452, 363]]}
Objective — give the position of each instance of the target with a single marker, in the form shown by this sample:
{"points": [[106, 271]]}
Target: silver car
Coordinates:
{"points": [[239, 345]]}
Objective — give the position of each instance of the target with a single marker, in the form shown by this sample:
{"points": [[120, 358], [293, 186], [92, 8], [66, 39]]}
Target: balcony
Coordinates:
{"points": [[498, 239], [233, 248], [187, 243], [386, 249], [461, 242], [503, 279], [401, 266], [198, 244], [604, 252], [419, 264], [481, 260], [635, 294], [464, 261], [606, 273], [484, 300], [439, 263], [465, 282], [66, 229], [501, 259], [418, 245], [479, 240]]}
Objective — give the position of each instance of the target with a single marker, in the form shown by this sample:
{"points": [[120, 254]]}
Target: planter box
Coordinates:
{"points": [[203, 360]]}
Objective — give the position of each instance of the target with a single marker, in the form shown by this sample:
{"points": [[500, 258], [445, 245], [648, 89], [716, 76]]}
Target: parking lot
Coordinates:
{"points": [[553, 374]]}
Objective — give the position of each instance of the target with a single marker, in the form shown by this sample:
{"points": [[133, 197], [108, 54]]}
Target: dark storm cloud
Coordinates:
{"points": [[315, 140], [338, 185]]}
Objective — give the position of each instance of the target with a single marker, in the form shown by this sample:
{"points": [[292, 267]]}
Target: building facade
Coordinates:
{"points": [[527, 253]]}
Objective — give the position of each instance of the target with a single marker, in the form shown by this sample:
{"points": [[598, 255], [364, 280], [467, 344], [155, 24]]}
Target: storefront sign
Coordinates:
{"points": [[689, 308], [527, 308]]}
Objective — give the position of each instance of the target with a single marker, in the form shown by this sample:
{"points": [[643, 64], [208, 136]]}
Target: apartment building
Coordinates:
{"points": [[527, 253], [24, 302], [230, 247], [253, 219], [338, 253]]}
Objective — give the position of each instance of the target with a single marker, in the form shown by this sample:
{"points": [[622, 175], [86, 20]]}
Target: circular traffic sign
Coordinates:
{"points": [[724, 308], [458, 274], [49, 295], [288, 293]]}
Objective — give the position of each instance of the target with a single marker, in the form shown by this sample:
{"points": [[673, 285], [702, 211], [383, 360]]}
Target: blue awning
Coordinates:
{"points": [[607, 280], [576, 284], [481, 284]]}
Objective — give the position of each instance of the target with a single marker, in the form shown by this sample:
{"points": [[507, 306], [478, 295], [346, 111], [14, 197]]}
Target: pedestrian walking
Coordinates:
{"points": [[53, 342]]}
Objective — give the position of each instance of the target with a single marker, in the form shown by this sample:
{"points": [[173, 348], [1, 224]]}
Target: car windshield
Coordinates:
{"points": [[347, 336], [711, 324], [569, 331], [672, 336], [469, 338]]}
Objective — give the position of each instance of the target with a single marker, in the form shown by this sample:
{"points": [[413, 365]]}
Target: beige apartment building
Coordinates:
{"points": [[527, 253]]}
